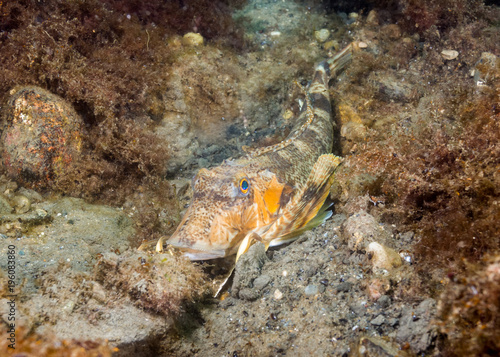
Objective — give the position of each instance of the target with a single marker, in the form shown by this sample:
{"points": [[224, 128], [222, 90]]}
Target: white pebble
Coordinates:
{"points": [[362, 44], [322, 35], [449, 54], [278, 295]]}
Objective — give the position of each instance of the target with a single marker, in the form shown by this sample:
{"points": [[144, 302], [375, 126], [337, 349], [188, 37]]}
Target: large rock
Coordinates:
{"points": [[41, 136]]}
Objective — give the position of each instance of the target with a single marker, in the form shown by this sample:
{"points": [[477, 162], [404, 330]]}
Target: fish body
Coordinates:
{"points": [[270, 194]]}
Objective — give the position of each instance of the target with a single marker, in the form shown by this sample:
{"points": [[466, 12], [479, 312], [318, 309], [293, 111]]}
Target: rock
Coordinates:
{"points": [[41, 137], [311, 290], [449, 54], [378, 287], [344, 287], [247, 270], [379, 320], [261, 282], [384, 301], [416, 326], [21, 204], [331, 45], [32, 195], [5, 207], [384, 257], [98, 292], [391, 31], [390, 87], [278, 295], [372, 18], [361, 229], [378, 347], [192, 39], [348, 114], [487, 69], [362, 44], [353, 131], [321, 35], [359, 309]]}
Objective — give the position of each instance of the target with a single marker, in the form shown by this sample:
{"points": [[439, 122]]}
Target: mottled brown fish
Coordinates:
{"points": [[271, 194]]}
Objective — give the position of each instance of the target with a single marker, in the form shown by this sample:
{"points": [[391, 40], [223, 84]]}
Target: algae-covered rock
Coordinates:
{"points": [[192, 39], [5, 206], [41, 137], [321, 35], [416, 328], [361, 229]]}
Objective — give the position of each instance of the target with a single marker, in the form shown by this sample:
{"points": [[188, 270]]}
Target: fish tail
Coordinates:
{"points": [[338, 62], [328, 69]]}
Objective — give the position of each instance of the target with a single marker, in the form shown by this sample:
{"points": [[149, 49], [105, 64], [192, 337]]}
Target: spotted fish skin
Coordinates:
{"points": [[270, 193]]}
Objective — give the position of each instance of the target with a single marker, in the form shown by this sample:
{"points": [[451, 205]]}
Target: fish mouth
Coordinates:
{"points": [[200, 238]]}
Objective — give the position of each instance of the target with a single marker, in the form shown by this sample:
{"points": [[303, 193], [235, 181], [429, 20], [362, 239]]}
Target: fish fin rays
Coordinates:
{"points": [[247, 242], [307, 207], [320, 218]]}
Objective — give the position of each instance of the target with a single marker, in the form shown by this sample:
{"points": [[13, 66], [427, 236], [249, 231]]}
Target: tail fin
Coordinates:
{"points": [[338, 62], [328, 69]]}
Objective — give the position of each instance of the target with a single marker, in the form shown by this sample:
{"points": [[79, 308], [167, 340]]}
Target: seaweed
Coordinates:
{"points": [[437, 164], [469, 310], [161, 282], [28, 343], [110, 60]]}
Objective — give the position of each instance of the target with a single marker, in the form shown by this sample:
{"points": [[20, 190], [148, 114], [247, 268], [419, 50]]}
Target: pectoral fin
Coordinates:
{"points": [[320, 218], [247, 242], [304, 211]]}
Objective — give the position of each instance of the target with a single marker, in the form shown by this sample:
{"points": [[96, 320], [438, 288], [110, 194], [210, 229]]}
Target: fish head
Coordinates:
{"points": [[227, 204]]}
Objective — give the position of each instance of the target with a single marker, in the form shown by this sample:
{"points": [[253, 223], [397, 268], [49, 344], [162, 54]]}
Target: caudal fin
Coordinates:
{"points": [[338, 62]]}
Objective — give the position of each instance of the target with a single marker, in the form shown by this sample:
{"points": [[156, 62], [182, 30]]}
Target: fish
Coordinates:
{"points": [[271, 194]]}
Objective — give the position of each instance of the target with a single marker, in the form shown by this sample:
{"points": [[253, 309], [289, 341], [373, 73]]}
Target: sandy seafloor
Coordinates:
{"points": [[80, 277]]}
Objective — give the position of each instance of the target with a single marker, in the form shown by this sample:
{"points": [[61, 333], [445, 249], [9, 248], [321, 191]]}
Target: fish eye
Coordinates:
{"points": [[244, 186]]}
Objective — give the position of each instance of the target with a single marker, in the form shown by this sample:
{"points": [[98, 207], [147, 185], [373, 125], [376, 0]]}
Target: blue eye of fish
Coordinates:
{"points": [[244, 186]]}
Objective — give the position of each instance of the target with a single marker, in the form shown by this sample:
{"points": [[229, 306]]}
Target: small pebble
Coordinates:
{"points": [[372, 18], [331, 45], [275, 34], [21, 203], [5, 206], [379, 320], [449, 54], [278, 295], [322, 35], [261, 282], [384, 257], [344, 286], [362, 44], [192, 39], [311, 290], [287, 114], [41, 213], [384, 301]]}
